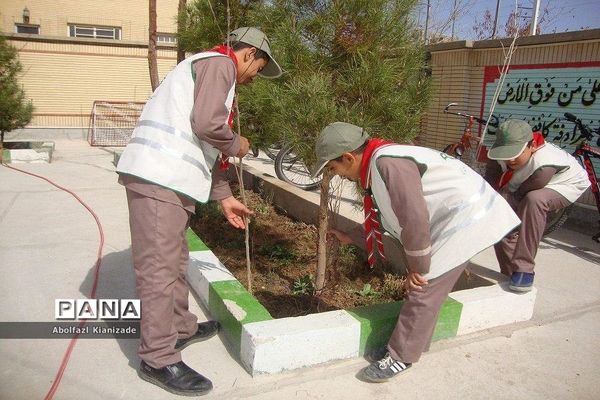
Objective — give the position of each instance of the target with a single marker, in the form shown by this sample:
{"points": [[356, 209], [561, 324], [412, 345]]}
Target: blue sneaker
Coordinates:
{"points": [[521, 281]]}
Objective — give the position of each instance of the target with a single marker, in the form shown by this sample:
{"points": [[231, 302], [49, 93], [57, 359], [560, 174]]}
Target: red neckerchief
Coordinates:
{"points": [[228, 51], [225, 50], [371, 223], [538, 139]]}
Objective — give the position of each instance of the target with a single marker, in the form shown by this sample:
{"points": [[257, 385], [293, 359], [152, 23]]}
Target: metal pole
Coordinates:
{"points": [[427, 21], [496, 19], [453, 18], [536, 13]]}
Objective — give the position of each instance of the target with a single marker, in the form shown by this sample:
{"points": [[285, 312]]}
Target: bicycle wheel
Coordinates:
{"points": [[290, 169], [453, 150], [272, 150], [556, 219]]}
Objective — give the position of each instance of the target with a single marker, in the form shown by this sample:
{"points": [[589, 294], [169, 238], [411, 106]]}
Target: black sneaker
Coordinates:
{"points": [[206, 330], [384, 369], [176, 378]]}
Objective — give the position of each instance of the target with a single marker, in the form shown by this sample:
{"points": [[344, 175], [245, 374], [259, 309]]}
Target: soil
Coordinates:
{"points": [[284, 262], [17, 145]]}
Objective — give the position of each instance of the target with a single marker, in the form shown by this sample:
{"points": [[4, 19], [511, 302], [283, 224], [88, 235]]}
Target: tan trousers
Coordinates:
{"points": [[160, 259], [418, 316], [516, 252]]}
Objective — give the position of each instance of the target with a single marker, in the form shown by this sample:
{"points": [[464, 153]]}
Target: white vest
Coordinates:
{"points": [[570, 180], [466, 215], [163, 149]]}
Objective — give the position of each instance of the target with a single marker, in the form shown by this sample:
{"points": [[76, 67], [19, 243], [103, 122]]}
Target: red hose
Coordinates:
{"points": [[67, 355]]}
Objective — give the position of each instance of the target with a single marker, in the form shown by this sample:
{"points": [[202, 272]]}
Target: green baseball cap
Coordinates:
{"points": [[336, 139], [256, 38], [511, 139]]}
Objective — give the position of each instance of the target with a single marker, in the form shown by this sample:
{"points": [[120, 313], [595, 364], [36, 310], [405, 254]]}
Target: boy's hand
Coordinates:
{"points": [[415, 281], [343, 237], [244, 147], [235, 211]]}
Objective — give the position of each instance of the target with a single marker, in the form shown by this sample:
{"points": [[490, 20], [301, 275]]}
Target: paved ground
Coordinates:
{"points": [[48, 247]]}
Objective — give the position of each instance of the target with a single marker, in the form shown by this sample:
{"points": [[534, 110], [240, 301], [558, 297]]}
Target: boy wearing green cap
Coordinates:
{"points": [[535, 177], [438, 209], [178, 156]]}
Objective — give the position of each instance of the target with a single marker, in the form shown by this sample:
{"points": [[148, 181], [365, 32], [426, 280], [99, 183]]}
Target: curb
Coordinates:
{"points": [[266, 345]]}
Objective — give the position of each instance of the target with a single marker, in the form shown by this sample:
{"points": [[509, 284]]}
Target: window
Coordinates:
{"points": [[27, 28], [96, 32], [166, 38]]}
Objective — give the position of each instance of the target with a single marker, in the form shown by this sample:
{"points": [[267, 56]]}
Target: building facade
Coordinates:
{"points": [[75, 52]]}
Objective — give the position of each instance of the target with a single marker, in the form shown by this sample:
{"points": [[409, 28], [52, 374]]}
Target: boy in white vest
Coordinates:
{"points": [[178, 156], [438, 209], [535, 177]]}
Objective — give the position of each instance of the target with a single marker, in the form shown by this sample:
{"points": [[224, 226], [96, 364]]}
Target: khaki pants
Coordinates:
{"points": [[160, 259], [516, 252], [418, 316]]}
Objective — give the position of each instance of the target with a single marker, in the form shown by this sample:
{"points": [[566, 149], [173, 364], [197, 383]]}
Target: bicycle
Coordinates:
{"points": [[584, 153], [467, 149], [271, 151], [289, 168]]}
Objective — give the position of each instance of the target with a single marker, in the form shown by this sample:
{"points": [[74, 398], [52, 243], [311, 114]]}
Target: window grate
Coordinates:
{"points": [[166, 38], [27, 28], [96, 32]]}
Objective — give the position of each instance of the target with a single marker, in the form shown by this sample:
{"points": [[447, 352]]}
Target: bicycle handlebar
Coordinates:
{"points": [[447, 111], [584, 129], [570, 117]]}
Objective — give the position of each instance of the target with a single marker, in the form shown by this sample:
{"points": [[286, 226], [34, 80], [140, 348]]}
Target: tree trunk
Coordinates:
{"points": [[322, 233], [152, 46], [180, 52], [1, 147]]}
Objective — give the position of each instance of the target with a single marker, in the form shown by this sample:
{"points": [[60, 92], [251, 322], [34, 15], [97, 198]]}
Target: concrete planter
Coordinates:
{"points": [[268, 345]]}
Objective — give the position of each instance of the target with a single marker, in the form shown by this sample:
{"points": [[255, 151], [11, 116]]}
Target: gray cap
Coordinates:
{"points": [[336, 139], [511, 139], [258, 39]]}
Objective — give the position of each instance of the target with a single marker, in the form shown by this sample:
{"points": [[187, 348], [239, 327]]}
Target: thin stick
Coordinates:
{"points": [[504, 71], [240, 169], [240, 175], [215, 18]]}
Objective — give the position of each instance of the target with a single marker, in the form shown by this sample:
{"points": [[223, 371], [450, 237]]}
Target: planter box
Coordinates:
{"points": [[27, 152], [268, 345]]}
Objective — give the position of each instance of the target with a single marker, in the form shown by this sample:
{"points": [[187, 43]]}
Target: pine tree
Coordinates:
{"points": [[357, 61], [15, 110], [354, 60]]}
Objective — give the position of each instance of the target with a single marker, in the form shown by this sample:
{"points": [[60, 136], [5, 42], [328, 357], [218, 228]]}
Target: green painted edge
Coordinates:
{"points": [[6, 156], [377, 322], [194, 242], [448, 320], [232, 290]]}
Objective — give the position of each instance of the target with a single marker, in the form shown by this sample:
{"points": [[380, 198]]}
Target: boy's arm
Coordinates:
{"points": [[537, 180], [220, 185], [493, 172], [215, 76], [403, 181]]}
